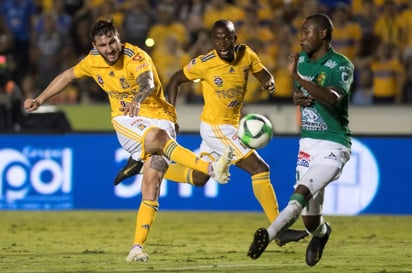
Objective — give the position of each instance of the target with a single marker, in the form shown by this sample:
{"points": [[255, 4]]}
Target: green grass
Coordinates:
{"points": [[98, 241]]}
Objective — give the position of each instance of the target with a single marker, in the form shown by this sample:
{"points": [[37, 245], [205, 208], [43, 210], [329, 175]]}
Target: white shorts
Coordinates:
{"points": [[319, 163], [215, 138], [131, 130]]}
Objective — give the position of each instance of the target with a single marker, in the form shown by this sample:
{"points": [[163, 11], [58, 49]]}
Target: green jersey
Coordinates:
{"points": [[320, 121]]}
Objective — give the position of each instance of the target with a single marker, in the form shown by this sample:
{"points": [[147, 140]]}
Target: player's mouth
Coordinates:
{"points": [[224, 53]]}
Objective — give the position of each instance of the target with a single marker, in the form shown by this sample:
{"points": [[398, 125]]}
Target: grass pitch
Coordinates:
{"points": [[98, 241]]}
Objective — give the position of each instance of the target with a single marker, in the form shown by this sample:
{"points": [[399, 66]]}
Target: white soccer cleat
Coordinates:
{"points": [[221, 166], [136, 254]]}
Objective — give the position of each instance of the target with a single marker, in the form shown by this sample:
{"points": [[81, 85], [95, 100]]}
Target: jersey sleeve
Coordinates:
{"points": [[255, 63], [193, 70], [82, 69], [342, 77]]}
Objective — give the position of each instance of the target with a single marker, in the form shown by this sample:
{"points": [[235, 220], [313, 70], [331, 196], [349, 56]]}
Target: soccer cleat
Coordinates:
{"points": [[290, 235], [136, 254], [132, 167], [315, 248], [221, 166], [259, 244]]}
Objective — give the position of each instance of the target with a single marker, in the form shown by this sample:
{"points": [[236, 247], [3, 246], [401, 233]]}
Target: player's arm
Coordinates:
{"points": [[172, 88], [266, 79], [56, 86], [146, 85], [325, 95]]}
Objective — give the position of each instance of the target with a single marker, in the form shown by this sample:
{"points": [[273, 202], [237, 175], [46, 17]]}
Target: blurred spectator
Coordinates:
{"points": [[218, 9], [138, 19], [6, 38], [11, 100], [166, 25], [388, 75], [19, 17], [346, 32], [388, 26], [191, 13], [62, 19], [366, 19], [363, 93], [50, 50], [170, 59], [284, 83]]}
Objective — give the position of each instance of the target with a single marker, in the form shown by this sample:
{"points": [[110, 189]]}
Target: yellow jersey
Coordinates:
{"points": [[223, 84], [119, 81]]}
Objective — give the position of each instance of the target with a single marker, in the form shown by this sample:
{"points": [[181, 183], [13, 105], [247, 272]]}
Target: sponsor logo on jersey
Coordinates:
{"points": [[331, 64], [303, 159], [137, 58], [331, 156], [218, 81]]}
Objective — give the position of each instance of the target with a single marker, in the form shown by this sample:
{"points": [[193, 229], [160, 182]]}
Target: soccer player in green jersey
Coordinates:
{"points": [[322, 80]]}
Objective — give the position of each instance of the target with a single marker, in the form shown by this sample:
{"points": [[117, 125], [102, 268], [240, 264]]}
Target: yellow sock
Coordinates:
{"points": [[179, 173], [185, 157], [264, 193], [144, 220]]}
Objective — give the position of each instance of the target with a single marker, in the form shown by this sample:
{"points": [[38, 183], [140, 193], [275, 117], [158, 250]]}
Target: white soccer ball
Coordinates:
{"points": [[255, 131]]}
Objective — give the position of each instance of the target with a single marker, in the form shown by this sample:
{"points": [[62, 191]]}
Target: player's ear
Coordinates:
{"points": [[323, 34]]}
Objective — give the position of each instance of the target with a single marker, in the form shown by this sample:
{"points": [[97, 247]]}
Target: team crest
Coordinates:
{"points": [[218, 81], [123, 83], [100, 79], [320, 80]]}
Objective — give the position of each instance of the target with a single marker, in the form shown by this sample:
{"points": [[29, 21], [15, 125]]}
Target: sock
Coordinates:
{"points": [[320, 231], [287, 216], [179, 173], [144, 220], [264, 193], [185, 157]]}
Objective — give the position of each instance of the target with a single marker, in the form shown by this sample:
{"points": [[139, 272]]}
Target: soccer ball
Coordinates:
{"points": [[255, 131]]}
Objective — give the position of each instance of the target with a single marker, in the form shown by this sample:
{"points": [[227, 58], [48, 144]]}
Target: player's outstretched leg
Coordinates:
{"points": [[315, 248], [259, 244], [136, 254], [290, 235], [221, 166], [132, 168]]}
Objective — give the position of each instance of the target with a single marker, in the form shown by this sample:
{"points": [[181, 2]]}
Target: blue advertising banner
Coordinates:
{"points": [[76, 171]]}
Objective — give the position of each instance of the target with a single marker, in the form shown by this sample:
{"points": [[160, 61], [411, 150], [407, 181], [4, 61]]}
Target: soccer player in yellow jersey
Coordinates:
{"points": [[142, 118], [224, 73]]}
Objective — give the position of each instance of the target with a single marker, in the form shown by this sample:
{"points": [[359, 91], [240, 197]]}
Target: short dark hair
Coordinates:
{"points": [[324, 22], [102, 27], [225, 24]]}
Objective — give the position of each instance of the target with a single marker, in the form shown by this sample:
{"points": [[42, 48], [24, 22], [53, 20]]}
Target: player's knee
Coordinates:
{"points": [[155, 139]]}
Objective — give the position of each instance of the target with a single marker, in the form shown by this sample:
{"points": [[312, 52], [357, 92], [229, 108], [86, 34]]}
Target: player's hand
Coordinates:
{"points": [[302, 100], [132, 109], [31, 105], [269, 86], [293, 64]]}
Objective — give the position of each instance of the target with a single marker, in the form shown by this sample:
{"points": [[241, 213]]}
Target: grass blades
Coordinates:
{"points": [[98, 241]]}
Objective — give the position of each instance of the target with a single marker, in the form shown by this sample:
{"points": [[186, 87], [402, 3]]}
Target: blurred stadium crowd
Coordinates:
{"points": [[39, 39]]}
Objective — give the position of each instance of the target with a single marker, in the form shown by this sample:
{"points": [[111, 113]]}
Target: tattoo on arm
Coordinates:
{"points": [[146, 83]]}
